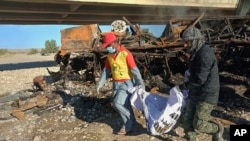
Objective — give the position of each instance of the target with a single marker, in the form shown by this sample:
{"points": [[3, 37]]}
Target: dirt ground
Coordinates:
{"points": [[93, 118]]}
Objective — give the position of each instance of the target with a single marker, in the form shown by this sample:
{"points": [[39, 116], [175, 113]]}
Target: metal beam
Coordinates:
{"points": [[72, 9], [75, 12], [196, 3], [108, 10], [243, 7]]}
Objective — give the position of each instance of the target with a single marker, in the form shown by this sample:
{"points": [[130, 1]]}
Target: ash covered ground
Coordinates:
{"points": [[77, 112]]}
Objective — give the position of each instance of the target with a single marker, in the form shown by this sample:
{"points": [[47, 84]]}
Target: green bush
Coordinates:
{"points": [[32, 51], [3, 51], [50, 47]]}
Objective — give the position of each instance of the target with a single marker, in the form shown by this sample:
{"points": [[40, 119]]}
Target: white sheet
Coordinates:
{"points": [[161, 113]]}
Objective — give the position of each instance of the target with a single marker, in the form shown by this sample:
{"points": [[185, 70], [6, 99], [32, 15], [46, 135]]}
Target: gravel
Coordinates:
{"points": [[18, 70]]}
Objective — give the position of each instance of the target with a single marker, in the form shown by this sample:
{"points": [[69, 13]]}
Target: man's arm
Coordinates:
{"points": [[203, 68], [134, 70], [137, 76], [105, 73]]}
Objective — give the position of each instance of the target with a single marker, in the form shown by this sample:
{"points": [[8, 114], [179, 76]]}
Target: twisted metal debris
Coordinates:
{"points": [[82, 57]]}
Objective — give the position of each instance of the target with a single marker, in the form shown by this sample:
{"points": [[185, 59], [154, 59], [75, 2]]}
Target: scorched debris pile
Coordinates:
{"points": [[81, 57]]}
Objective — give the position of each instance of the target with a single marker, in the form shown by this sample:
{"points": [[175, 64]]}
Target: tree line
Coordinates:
{"points": [[50, 47]]}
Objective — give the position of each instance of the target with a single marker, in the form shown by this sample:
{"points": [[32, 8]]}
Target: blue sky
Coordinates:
{"points": [[34, 36]]}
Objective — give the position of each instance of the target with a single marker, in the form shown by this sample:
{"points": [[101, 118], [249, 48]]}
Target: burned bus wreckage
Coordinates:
{"points": [[82, 57]]}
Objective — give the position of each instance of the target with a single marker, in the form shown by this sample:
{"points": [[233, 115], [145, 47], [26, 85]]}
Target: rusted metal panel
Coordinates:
{"points": [[40, 82], [38, 101], [78, 39]]}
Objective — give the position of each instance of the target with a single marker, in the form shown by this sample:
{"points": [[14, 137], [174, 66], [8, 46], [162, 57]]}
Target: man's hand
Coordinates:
{"points": [[142, 86], [98, 90], [183, 87]]}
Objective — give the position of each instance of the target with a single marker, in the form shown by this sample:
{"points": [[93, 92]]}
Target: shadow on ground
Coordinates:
{"points": [[27, 65], [93, 109]]}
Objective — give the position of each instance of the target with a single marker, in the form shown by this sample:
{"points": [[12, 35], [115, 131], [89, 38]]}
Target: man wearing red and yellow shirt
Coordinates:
{"points": [[120, 63]]}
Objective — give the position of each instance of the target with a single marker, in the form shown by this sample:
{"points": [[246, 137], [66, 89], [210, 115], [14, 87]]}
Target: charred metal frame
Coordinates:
{"points": [[228, 36]]}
